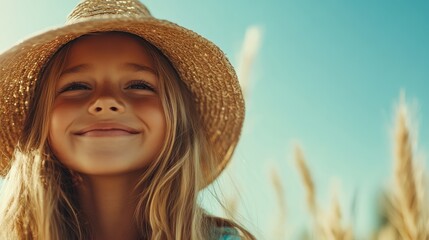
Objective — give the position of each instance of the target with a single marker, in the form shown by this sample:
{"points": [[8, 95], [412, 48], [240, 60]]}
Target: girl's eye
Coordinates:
{"points": [[140, 85], [74, 86]]}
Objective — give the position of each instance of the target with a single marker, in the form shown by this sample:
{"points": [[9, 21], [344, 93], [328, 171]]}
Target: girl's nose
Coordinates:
{"points": [[106, 106]]}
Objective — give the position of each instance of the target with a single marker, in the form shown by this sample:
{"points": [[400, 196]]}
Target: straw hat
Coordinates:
{"points": [[200, 64]]}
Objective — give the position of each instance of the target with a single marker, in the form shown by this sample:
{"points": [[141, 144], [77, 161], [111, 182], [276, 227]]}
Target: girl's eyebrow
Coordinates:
{"points": [[137, 67], [75, 69]]}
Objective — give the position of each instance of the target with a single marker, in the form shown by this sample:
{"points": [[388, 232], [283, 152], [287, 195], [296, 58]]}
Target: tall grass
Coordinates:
{"points": [[405, 206], [327, 225], [405, 203], [279, 230], [249, 50]]}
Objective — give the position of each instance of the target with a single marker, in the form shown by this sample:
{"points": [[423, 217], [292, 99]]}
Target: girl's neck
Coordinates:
{"points": [[109, 203]]}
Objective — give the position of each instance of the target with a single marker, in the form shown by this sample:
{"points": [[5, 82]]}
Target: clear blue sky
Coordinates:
{"points": [[327, 75]]}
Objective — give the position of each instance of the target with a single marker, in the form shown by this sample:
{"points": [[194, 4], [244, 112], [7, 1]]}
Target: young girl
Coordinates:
{"points": [[111, 125]]}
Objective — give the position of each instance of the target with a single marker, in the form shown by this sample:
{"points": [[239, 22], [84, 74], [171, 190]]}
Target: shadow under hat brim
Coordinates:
{"points": [[201, 65]]}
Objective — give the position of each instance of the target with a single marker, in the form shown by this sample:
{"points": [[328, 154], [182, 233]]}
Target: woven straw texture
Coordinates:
{"points": [[200, 64]]}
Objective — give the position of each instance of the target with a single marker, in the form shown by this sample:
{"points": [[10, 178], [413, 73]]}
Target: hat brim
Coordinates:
{"points": [[201, 65]]}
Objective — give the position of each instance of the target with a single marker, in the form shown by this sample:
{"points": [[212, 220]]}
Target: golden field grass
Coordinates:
{"points": [[404, 204], [404, 209]]}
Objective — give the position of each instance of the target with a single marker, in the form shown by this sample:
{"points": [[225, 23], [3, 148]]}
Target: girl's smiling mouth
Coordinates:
{"points": [[106, 133], [107, 130]]}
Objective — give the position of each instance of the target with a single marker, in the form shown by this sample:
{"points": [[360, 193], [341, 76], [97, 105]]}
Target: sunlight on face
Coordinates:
{"points": [[107, 116]]}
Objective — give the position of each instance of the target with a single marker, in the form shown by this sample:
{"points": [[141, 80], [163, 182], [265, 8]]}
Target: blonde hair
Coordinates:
{"points": [[38, 197]]}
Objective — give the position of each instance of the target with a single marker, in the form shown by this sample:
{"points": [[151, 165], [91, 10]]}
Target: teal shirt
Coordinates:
{"points": [[226, 233]]}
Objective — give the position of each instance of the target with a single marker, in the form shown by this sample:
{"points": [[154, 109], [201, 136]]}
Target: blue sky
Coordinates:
{"points": [[327, 75]]}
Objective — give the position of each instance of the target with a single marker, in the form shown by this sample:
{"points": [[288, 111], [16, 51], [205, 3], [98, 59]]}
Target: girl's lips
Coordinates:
{"points": [[107, 133], [107, 129]]}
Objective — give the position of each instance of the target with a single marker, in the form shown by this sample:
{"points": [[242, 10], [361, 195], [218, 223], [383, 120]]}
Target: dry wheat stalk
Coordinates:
{"points": [[406, 206], [387, 232], [279, 232], [307, 180], [334, 229], [329, 228], [249, 50], [319, 228], [405, 185]]}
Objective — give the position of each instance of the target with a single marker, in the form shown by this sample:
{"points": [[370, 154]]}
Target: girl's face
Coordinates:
{"points": [[107, 116]]}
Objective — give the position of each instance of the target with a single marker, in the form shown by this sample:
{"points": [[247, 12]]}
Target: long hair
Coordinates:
{"points": [[38, 199]]}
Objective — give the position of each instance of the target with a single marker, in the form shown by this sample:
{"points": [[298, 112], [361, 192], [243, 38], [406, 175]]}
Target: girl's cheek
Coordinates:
{"points": [[65, 110], [70, 102], [150, 109], [146, 104]]}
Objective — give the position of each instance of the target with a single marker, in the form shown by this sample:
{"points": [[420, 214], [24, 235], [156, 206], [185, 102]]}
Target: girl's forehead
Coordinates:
{"points": [[103, 46], [107, 41]]}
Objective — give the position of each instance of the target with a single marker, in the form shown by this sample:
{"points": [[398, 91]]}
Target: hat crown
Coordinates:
{"points": [[108, 8]]}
